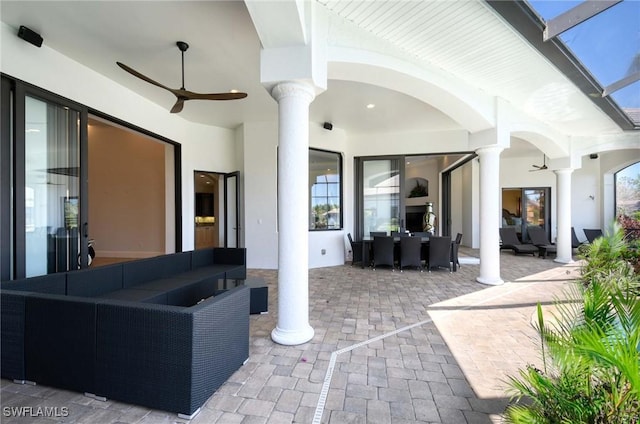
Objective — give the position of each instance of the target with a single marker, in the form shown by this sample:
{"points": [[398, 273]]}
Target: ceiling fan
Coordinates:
{"points": [[183, 94], [540, 167]]}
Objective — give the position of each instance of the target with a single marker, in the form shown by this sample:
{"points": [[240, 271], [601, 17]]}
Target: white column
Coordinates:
{"points": [[489, 215], [563, 202], [293, 204]]}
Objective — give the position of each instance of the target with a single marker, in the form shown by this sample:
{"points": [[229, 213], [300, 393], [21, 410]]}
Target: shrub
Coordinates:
{"points": [[592, 356]]}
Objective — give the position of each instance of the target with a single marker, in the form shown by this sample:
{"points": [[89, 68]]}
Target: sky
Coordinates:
{"points": [[606, 44]]}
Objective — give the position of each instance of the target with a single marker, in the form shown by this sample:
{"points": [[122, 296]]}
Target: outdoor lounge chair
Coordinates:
{"points": [[539, 237], [510, 241], [592, 234], [575, 243]]}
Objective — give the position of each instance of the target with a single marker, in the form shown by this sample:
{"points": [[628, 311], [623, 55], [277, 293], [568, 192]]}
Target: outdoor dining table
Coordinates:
{"points": [[367, 242]]}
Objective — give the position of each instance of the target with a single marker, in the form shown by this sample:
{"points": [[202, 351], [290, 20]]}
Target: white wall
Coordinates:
{"points": [[260, 185]]}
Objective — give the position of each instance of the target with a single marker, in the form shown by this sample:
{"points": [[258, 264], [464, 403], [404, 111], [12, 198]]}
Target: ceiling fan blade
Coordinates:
{"points": [[178, 106], [144, 77], [210, 96]]}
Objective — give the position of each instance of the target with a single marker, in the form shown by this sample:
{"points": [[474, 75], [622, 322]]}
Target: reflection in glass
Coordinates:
{"points": [[325, 173], [381, 190], [51, 188]]}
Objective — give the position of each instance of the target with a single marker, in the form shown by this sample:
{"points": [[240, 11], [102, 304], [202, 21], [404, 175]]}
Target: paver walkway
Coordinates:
{"points": [[389, 347]]}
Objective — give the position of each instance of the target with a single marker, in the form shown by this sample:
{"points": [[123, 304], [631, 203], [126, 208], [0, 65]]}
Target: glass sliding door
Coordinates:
{"points": [[52, 218], [534, 208], [381, 201], [526, 207]]}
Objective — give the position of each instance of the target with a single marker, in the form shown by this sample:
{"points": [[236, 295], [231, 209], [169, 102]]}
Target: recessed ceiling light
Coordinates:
{"points": [[370, 106], [32, 130], [233, 91]]}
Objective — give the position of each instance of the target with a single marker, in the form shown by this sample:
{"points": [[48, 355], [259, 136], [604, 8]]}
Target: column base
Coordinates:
{"points": [[564, 260], [490, 281], [292, 338]]}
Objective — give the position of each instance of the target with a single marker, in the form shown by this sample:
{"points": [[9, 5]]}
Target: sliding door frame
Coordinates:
{"points": [[12, 172], [14, 141]]}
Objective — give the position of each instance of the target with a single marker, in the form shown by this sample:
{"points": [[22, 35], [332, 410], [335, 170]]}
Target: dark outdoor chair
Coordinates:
{"points": [[575, 243], [383, 249], [378, 233], [592, 234], [539, 237], [454, 250], [356, 250], [510, 241], [439, 253], [410, 252]]}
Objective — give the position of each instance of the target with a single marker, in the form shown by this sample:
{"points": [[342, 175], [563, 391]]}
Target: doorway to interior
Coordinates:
{"points": [[216, 209], [132, 193]]}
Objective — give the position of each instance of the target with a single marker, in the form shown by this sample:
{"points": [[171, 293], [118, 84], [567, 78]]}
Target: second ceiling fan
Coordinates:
{"points": [[182, 94], [540, 167]]}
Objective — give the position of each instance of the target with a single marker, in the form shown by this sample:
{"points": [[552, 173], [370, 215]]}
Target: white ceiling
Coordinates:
{"points": [[224, 54]]}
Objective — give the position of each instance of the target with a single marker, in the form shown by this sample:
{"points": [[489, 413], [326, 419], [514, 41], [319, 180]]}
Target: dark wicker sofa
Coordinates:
{"points": [[155, 332]]}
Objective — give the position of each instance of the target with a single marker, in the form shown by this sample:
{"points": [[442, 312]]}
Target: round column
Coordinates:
{"points": [[563, 200], [293, 203], [489, 215]]}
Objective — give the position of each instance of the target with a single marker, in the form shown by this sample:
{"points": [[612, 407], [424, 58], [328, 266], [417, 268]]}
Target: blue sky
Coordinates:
{"points": [[606, 44]]}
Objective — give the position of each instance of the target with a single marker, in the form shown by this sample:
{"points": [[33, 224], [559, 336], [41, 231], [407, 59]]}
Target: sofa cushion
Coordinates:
{"points": [[51, 283], [92, 282]]}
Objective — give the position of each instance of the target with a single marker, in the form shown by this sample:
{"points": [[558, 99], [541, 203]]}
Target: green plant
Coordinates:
{"points": [[592, 355]]}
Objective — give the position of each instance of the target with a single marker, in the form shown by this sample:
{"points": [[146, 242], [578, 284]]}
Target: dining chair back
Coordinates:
{"points": [[383, 248], [410, 255], [439, 253], [454, 249], [356, 250]]}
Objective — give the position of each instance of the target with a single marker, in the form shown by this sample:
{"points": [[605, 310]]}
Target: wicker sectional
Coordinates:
{"points": [[155, 332]]}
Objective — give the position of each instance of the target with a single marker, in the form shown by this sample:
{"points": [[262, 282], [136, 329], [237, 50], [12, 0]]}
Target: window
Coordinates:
{"points": [[627, 182], [325, 195]]}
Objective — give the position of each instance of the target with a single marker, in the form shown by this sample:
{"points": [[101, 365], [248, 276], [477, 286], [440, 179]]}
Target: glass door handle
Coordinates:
{"points": [[85, 229]]}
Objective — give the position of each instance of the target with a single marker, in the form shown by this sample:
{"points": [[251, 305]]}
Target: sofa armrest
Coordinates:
{"points": [[143, 354], [60, 341], [220, 341], [12, 318]]}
